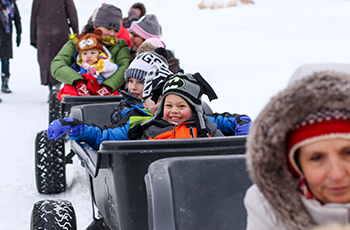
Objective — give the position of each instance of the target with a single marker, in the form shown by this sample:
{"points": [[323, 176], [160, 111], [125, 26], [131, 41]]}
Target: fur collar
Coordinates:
{"points": [[266, 145]]}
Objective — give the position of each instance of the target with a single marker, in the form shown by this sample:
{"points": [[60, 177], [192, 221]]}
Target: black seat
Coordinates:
{"points": [[118, 168], [69, 101], [200, 192], [98, 114]]}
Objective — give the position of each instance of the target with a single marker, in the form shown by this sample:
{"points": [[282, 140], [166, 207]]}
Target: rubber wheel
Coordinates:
{"points": [[50, 166], [54, 107], [53, 215]]}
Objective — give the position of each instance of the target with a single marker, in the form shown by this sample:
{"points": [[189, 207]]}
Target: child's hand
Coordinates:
{"points": [[59, 127], [85, 65]]}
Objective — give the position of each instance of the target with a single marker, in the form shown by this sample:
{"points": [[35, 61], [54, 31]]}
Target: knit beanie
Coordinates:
{"points": [[155, 76], [190, 88], [134, 11], [146, 27], [90, 41], [323, 125], [108, 16], [142, 63]]}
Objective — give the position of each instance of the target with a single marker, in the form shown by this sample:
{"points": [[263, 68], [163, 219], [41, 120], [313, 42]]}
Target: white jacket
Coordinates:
{"points": [[261, 216]]}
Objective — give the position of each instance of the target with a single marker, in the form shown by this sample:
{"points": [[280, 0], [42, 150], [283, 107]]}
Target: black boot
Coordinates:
{"points": [[5, 86]]}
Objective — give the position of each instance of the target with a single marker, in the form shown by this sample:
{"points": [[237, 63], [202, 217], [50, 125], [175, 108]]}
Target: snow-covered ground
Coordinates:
{"points": [[247, 53]]}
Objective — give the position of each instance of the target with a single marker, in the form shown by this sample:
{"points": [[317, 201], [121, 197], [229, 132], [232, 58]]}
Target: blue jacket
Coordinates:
{"points": [[228, 124]]}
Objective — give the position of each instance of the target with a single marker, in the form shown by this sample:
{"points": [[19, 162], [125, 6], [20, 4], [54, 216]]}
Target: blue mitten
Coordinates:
{"points": [[59, 127], [243, 125]]}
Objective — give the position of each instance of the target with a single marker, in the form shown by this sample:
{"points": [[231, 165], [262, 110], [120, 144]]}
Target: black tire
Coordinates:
{"points": [[50, 165], [54, 107], [53, 215]]}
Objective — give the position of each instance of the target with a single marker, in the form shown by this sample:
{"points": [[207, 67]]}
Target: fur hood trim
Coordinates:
{"points": [[266, 143]]}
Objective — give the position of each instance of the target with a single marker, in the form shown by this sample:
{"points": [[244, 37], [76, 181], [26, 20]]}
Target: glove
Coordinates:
{"points": [[82, 89], [243, 125], [59, 127], [18, 40], [103, 91]]}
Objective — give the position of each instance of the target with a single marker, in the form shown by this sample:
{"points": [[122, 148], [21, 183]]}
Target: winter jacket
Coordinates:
{"points": [[161, 129], [123, 106], [94, 135], [261, 215], [277, 204], [49, 31], [6, 38], [61, 70]]}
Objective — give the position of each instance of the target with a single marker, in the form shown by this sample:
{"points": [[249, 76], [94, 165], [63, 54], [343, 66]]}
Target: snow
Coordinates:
{"points": [[247, 53]]}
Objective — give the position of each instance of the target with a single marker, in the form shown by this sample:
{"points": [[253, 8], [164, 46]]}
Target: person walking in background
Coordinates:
{"points": [[49, 31], [8, 14]]}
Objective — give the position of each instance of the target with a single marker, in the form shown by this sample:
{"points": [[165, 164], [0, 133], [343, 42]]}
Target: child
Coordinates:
{"points": [[95, 65], [180, 113], [135, 77], [94, 135]]}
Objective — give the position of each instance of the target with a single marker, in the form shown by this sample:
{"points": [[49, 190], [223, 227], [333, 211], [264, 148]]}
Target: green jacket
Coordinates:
{"points": [[61, 70]]}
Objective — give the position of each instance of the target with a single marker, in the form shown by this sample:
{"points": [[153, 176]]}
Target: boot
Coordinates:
{"points": [[5, 86]]}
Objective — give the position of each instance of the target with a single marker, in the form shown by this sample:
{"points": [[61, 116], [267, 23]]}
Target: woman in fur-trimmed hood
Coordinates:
{"points": [[314, 108]]}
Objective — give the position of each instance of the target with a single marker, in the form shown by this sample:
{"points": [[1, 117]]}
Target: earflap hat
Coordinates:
{"points": [[190, 88], [90, 41]]}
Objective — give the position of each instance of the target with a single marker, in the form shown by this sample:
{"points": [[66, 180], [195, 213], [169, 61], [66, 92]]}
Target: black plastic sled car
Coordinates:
{"points": [[156, 184]]}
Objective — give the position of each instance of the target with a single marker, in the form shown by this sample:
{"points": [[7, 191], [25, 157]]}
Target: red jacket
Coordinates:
{"points": [[125, 35]]}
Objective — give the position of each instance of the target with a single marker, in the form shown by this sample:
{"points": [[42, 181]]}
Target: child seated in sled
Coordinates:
{"points": [[95, 66], [135, 78], [130, 126]]}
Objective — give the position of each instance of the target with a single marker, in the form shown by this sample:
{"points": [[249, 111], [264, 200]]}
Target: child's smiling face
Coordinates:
{"points": [[176, 109]]}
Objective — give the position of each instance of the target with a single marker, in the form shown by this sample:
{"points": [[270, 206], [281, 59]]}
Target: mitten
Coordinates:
{"points": [[18, 40], [103, 91], [243, 125], [59, 127], [82, 89], [109, 68]]}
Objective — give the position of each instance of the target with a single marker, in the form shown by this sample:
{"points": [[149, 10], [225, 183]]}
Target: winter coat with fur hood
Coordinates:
{"points": [[274, 202]]}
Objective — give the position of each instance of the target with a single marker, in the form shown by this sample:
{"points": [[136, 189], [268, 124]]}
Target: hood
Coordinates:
{"points": [[307, 92]]}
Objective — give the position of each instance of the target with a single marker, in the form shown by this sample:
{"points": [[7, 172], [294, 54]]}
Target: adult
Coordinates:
{"points": [[8, 14], [298, 154], [142, 29], [123, 33], [108, 20], [49, 31], [147, 28], [140, 8]]}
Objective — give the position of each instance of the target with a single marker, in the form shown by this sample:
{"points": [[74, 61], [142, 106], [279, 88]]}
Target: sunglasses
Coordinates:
{"points": [[133, 35]]}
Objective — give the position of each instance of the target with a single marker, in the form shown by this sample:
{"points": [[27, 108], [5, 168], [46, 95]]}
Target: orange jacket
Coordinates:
{"points": [[161, 129]]}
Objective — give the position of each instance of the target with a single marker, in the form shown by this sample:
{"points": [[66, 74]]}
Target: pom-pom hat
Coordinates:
{"points": [[325, 124]]}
